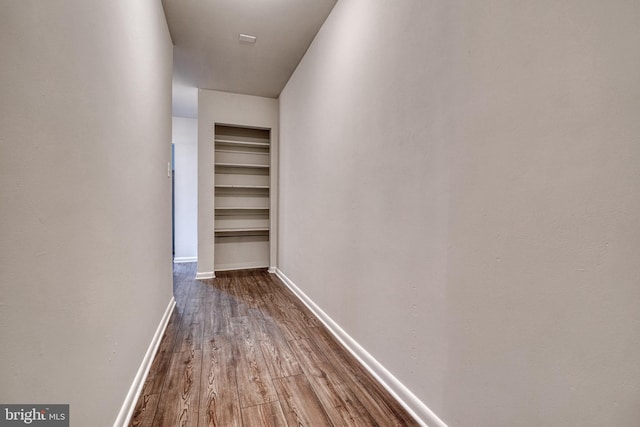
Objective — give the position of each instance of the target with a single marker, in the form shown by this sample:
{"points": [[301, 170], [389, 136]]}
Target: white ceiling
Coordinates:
{"points": [[208, 54]]}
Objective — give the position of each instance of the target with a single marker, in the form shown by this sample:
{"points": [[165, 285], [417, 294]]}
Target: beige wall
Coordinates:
{"points": [[459, 192], [185, 188], [232, 109], [85, 252]]}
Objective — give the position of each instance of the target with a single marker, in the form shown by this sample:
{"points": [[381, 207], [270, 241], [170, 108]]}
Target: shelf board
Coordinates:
{"points": [[242, 208], [242, 143], [236, 151], [242, 165], [259, 187], [238, 229]]}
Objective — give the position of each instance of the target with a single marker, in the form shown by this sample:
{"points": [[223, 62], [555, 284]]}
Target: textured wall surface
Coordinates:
{"points": [[85, 201], [459, 191]]}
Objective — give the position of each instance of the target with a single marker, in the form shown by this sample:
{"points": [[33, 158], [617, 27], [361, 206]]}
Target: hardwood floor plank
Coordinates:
{"points": [[184, 272], [296, 306], [302, 317], [162, 361], [254, 383], [376, 400], [280, 360], [237, 304], [231, 283], [251, 301], [145, 411], [153, 385], [283, 312], [300, 405], [267, 415], [348, 420], [219, 402], [191, 332], [216, 321], [339, 401], [178, 404], [148, 400], [189, 338], [203, 289], [184, 282], [231, 304], [257, 288]]}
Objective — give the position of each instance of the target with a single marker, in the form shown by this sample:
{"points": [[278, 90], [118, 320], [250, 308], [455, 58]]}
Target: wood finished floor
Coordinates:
{"points": [[242, 350]]}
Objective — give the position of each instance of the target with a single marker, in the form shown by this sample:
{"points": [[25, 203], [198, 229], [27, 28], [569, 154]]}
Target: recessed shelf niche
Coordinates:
{"points": [[241, 197]]}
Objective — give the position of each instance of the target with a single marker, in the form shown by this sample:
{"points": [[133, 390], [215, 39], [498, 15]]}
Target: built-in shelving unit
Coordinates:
{"points": [[242, 197]]}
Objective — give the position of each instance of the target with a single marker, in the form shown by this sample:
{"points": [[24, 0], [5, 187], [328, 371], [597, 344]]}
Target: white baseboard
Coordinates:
{"points": [[402, 394], [130, 401], [272, 269], [182, 259], [205, 275]]}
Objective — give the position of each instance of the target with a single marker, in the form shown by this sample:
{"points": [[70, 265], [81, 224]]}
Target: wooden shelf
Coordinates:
{"points": [[242, 143], [241, 208], [243, 229], [239, 150], [259, 187], [241, 165]]}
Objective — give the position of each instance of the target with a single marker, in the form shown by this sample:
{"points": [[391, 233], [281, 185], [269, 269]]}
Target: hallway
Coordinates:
{"points": [[241, 350]]}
